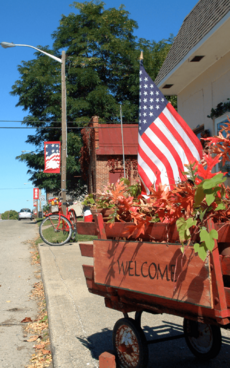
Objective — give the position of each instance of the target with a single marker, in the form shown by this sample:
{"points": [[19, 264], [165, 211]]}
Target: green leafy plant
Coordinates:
{"points": [[207, 242], [89, 200], [46, 208], [220, 109], [183, 227]]}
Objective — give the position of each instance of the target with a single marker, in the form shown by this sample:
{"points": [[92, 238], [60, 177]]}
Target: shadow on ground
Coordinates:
{"points": [[164, 354]]}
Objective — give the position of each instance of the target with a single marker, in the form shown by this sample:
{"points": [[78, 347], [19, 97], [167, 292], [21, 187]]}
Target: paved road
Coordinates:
{"points": [[16, 282], [81, 327]]}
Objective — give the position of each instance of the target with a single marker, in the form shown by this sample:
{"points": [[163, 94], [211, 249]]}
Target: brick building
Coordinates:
{"points": [[102, 153]]}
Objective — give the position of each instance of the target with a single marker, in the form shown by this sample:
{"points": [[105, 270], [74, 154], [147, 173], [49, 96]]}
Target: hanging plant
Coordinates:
{"points": [[220, 109]]}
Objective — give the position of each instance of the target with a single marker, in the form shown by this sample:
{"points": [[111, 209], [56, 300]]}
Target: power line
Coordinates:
{"points": [[40, 121], [75, 128], [33, 128], [15, 188], [83, 123]]}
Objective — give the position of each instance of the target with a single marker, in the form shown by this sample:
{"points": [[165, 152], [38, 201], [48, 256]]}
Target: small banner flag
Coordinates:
{"points": [[36, 193], [165, 142], [52, 155]]}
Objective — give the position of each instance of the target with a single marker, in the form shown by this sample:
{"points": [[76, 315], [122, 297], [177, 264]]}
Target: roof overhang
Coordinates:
{"points": [[213, 47]]}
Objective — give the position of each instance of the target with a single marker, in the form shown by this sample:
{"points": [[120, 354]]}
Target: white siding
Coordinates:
{"points": [[204, 93]]}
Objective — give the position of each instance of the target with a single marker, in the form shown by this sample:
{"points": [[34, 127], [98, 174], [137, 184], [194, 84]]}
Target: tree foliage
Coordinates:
{"points": [[101, 72], [10, 215]]}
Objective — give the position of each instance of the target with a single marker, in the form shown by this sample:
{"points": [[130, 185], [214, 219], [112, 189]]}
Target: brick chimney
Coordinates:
{"points": [[94, 123]]}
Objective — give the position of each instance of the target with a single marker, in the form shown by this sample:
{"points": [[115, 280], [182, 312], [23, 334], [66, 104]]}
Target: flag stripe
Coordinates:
{"points": [[154, 163], [143, 175], [145, 163], [155, 127], [189, 137], [163, 155], [178, 133], [164, 125]]}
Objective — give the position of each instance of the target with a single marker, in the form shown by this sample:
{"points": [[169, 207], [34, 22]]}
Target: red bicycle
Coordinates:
{"points": [[58, 228]]}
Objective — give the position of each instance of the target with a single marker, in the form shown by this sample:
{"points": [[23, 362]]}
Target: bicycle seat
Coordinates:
{"points": [[67, 203]]}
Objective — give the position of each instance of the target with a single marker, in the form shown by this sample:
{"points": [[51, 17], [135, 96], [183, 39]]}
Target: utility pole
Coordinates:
{"points": [[63, 107], [64, 132], [40, 203]]}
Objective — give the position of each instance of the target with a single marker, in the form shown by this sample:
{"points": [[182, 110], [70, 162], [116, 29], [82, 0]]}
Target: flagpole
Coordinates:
{"points": [[122, 139], [142, 182], [141, 56]]}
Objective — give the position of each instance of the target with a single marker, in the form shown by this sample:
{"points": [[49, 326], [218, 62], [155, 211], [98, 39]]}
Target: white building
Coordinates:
{"points": [[197, 68]]}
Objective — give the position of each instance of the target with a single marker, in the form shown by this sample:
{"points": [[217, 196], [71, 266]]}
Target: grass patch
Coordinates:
{"points": [[52, 236], [59, 237], [80, 237], [38, 220]]}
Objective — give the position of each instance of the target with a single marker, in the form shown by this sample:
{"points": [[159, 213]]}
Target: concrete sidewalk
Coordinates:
{"points": [[81, 327]]}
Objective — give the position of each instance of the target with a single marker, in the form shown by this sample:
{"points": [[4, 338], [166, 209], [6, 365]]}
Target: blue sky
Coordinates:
{"points": [[32, 23]]}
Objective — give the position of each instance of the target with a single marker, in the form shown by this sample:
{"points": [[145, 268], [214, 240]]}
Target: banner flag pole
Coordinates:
{"points": [[122, 139]]}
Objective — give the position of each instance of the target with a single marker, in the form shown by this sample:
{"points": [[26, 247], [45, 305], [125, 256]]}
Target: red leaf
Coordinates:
{"points": [[44, 351], [27, 319]]}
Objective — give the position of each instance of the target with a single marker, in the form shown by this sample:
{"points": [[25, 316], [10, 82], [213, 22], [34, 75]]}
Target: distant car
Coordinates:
{"points": [[25, 213]]}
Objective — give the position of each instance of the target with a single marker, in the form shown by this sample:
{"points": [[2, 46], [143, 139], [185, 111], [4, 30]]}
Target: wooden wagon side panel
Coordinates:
{"points": [[156, 269]]}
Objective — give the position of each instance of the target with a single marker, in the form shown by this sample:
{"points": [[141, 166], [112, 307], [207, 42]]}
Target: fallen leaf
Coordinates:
{"points": [[33, 338], [27, 319], [45, 351], [41, 346]]}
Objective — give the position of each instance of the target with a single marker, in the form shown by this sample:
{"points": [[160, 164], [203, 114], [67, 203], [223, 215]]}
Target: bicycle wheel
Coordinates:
{"points": [[55, 231]]}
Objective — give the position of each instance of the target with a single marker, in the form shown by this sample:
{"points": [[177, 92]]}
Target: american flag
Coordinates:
{"points": [[52, 157], [165, 142]]}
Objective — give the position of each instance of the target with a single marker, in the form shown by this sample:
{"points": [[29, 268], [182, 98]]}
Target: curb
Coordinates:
{"points": [[52, 348]]}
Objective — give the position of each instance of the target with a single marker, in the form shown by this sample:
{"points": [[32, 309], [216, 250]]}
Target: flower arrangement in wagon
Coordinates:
{"points": [[189, 205]]}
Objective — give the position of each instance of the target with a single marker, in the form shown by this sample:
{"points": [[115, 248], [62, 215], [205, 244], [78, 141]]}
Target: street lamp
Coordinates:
{"points": [[6, 45]]}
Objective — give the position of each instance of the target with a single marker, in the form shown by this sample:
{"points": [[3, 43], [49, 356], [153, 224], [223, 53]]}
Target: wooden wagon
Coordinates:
{"points": [[151, 275]]}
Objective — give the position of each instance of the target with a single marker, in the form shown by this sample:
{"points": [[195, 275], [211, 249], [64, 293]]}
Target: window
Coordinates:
{"points": [[199, 130], [218, 123], [115, 175]]}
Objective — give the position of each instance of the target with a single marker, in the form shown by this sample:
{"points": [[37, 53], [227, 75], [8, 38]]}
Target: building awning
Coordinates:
{"points": [[202, 40], [110, 139]]}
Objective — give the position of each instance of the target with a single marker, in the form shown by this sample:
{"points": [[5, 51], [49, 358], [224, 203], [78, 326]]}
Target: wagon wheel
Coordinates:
{"points": [[138, 316], [203, 340], [130, 344]]}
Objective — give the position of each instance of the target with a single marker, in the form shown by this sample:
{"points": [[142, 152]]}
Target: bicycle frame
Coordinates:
{"points": [[60, 213]]}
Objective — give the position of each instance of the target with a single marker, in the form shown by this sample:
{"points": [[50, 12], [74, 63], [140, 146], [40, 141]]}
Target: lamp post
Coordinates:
{"points": [[63, 106]]}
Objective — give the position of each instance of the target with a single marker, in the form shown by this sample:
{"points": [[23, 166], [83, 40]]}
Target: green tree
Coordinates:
{"points": [[102, 72], [10, 215]]}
